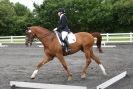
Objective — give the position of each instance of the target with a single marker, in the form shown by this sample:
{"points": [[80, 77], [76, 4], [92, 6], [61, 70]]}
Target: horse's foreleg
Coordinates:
{"points": [[88, 61], [63, 62], [43, 61]]}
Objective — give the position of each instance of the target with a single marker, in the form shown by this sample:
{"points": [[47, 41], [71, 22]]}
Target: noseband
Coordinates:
{"points": [[41, 37]]}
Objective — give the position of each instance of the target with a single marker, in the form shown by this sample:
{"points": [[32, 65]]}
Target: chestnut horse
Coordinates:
{"points": [[98, 41], [52, 48]]}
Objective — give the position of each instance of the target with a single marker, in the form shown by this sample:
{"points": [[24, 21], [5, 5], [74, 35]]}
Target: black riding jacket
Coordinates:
{"points": [[63, 24]]}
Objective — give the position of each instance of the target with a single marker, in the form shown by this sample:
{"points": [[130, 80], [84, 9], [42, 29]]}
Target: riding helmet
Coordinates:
{"points": [[62, 10]]}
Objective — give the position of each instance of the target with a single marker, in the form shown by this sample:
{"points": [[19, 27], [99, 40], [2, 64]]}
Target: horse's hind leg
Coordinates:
{"points": [[88, 61], [98, 43], [97, 60]]}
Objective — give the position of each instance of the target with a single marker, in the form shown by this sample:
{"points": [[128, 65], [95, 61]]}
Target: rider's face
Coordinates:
{"points": [[59, 13]]}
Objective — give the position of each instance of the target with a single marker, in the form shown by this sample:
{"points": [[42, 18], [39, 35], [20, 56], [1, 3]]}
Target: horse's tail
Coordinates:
{"points": [[98, 41]]}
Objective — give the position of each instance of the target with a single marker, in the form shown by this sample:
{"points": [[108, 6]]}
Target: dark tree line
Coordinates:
{"points": [[13, 18], [83, 15]]}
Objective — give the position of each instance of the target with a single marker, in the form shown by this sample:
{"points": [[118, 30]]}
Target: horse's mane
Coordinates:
{"points": [[43, 30]]}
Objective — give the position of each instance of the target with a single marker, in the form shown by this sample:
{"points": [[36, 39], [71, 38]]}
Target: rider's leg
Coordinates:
{"points": [[64, 34], [67, 45]]}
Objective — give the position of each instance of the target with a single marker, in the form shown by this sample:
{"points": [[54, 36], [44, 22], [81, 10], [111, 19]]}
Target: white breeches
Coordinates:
{"points": [[64, 34]]}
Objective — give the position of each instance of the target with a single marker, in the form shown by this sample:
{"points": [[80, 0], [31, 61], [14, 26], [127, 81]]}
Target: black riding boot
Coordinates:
{"points": [[67, 49]]}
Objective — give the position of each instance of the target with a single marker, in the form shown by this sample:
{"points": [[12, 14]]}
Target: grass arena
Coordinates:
{"points": [[18, 62]]}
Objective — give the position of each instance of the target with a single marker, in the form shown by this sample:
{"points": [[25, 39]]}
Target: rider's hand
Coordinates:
{"points": [[54, 29]]}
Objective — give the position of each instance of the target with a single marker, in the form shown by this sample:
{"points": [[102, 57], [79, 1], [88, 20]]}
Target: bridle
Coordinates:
{"points": [[30, 36]]}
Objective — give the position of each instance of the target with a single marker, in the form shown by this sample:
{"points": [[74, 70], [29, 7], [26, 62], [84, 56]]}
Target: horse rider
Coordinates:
{"points": [[63, 28]]}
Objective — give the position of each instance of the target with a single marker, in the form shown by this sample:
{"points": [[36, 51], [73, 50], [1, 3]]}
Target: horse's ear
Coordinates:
{"points": [[29, 29]]}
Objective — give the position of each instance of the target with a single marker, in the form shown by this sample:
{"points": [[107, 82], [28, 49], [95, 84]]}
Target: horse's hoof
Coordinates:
{"points": [[83, 76], [13, 87], [69, 78], [32, 77]]}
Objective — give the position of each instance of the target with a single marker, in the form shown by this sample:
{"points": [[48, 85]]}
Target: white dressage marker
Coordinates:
{"points": [[112, 80], [43, 86]]}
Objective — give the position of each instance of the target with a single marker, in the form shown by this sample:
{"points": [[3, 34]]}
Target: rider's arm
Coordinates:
{"points": [[62, 23]]}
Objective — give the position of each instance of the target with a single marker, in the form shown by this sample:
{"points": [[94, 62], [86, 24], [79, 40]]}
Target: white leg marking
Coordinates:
{"points": [[34, 74], [103, 69]]}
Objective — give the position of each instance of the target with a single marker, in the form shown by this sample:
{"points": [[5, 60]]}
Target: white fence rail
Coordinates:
{"points": [[12, 39], [117, 37], [107, 38]]}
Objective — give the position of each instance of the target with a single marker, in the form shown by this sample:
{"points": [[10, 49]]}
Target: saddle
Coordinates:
{"points": [[70, 38]]}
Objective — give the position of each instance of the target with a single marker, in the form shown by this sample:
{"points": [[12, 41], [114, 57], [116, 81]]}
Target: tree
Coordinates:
{"points": [[83, 15], [13, 18], [6, 17], [123, 15], [22, 19], [88, 15]]}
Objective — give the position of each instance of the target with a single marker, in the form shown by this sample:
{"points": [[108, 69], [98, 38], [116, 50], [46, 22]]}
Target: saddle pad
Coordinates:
{"points": [[71, 38]]}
